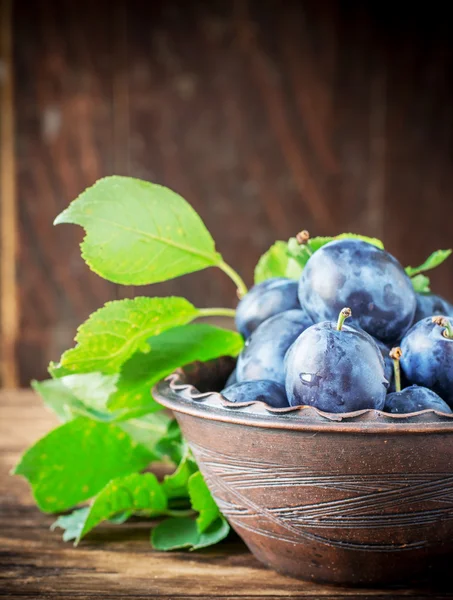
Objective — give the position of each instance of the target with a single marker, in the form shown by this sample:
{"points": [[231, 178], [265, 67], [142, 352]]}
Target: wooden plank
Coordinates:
{"points": [[117, 561], [9, 315], [263, 119], [266, 120], [419, 155], [64, 143]]}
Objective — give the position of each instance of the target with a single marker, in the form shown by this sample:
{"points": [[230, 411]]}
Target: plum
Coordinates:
{"points": [[413, 399], [428, 355], [260, 390], [265, 300], [336, 368], [354, 273], [263, 354], [429, 305], [384, 350]]}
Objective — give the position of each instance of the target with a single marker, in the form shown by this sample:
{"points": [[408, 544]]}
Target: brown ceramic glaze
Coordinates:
{"points": [[364, 498]]}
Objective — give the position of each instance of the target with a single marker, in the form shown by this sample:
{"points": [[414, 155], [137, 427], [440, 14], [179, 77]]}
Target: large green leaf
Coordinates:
{"points": [[433, 261], [76, 460], [131, 494], [114, 332], [276, 262], [178, 533], [147, 429], [203, 502], [58, 398], [168, 351], [139, 232], [85, 394]]}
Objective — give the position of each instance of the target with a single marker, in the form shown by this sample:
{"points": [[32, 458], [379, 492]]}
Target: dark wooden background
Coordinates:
{"points": [[269, 116]]}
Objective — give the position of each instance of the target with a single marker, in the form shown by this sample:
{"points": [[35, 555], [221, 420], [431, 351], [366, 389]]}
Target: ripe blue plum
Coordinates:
{"points": [[260, 390], [413, 399], [388, 363], [264, 351], [428, 356], [429, 305], [367, 279], [265, 300], [335, 368]]}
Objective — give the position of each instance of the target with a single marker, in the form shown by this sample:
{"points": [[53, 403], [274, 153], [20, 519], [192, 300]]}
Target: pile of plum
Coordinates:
{"points": [[299, 350]]}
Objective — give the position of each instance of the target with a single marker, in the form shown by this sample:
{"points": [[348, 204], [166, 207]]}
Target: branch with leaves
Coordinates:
{"points": [[138, 233]]}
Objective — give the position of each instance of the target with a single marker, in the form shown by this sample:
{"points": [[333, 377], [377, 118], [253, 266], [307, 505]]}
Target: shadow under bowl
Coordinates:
{"points": [[362, 498]]}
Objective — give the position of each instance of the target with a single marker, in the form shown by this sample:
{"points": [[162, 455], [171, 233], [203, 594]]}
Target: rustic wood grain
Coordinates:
{"points": [[117, 561], [267, 117], [8, 208]]}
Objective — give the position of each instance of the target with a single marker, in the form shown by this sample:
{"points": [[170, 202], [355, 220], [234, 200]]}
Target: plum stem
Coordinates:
{"points": [[395, 354], [444, 322], [345, 313], [232, 274], [302, 238]]}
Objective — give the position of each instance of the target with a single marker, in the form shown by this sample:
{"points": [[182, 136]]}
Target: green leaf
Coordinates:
{"points": [[421, 284], [72, 523], [298, 252], [277, 263], [172, 445], [113, 333], [148, 430], [433, 261], [78, 395], [139, 232], [57, 397], [92, 389], [214, 534], [177, 533], [132, 494], [76, 460], [202, 501], [168, 351], [176, 485], [318, 242]]}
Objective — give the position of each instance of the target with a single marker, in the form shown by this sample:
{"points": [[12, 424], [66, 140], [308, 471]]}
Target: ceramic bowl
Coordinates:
{"points": [[363, 498]]}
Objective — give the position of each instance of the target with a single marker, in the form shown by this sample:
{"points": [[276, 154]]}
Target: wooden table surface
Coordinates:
{"points": [[117, 561]]}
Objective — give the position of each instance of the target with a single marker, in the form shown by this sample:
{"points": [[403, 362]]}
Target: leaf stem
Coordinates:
{"points": [[216, 312], [395, 355], [241, 287]]}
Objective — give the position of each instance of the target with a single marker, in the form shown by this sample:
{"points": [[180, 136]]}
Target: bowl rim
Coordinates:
{"points": [[178, 394]]}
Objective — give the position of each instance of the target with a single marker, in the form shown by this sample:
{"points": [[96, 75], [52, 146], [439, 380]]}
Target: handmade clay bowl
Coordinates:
{"points": [[363, 498]]}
